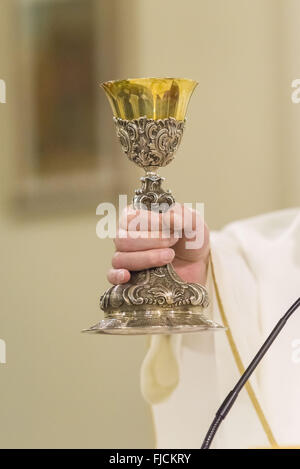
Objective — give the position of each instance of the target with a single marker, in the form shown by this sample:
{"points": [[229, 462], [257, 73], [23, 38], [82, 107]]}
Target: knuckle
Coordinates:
{"points": [[120, 244], [153, 257], [166, 242], [116, 260]]}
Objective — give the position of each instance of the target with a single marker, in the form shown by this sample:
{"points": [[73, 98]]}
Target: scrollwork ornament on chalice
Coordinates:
{"points": [[149, 143]]}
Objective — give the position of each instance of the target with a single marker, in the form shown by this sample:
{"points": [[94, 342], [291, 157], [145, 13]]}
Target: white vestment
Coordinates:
{"points": [[186, 377]]}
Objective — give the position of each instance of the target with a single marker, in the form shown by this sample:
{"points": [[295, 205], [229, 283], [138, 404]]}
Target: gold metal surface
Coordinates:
{"points": [[154, 98]]}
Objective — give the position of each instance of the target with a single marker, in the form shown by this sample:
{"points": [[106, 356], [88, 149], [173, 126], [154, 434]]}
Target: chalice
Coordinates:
{"points": [[149, 115]]}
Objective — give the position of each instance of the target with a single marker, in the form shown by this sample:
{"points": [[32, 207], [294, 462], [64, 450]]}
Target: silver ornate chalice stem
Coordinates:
{"points": [[149, 115]]}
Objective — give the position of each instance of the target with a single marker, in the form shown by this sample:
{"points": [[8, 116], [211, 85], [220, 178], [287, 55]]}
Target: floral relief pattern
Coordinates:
{"points": [[159, 286], [149, 142]]}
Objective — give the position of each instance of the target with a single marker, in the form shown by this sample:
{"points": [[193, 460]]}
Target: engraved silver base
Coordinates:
{"points": [[155, 301], [154, 322]]}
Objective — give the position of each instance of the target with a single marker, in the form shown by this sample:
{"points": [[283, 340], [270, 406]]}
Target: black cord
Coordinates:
{"points": [[232, 396]]}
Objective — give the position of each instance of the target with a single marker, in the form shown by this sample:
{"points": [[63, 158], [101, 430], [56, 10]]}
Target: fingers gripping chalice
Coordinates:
{"points": [[149, 115]]}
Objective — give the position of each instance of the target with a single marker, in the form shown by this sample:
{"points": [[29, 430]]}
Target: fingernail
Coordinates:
{"points": [[121, 276], [167, 256]]}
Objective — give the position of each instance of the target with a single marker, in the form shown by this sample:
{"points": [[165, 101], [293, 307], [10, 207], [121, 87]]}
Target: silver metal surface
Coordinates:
{"points": [[149, 143], [158, 321]]}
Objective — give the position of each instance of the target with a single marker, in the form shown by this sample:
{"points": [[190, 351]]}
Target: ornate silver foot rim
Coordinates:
{"points": [[154, 323]]}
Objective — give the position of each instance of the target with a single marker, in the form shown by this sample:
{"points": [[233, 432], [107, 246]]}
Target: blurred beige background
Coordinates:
{"points": [[240, 155]]}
